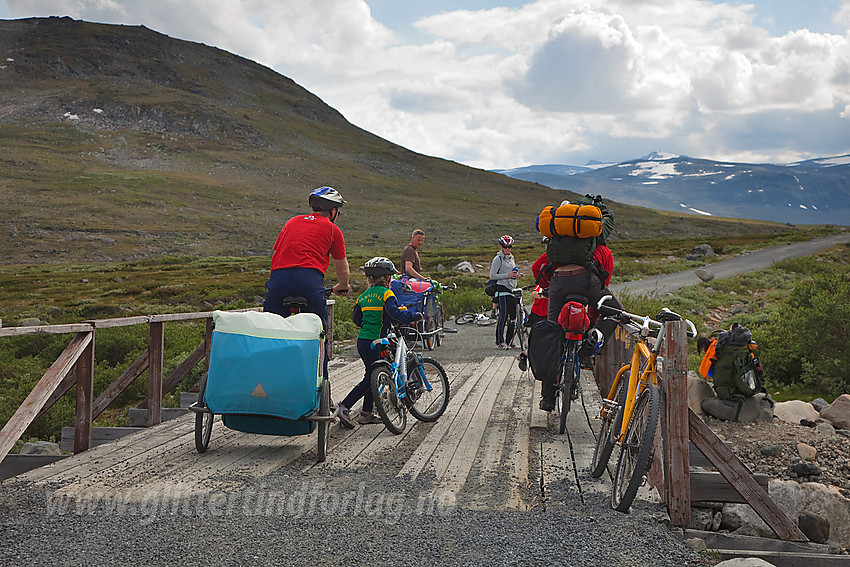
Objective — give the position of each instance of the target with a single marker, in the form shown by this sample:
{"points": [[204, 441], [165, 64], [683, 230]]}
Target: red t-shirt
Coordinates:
{"points": [[306, 241]]}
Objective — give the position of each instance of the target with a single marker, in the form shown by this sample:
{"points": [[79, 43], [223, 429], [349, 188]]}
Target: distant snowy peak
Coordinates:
{"points": [[551, 169], [659, 156], [823, 162]]}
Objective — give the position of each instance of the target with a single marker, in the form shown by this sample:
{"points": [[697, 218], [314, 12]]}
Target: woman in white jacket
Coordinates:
{"points": [[504, 271]]}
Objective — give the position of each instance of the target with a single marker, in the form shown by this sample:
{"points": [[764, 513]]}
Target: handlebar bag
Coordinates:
{"points": [[262, 364], [545, 350]]}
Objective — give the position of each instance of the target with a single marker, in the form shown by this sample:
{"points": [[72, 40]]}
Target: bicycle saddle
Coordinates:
{"points": [[666, 316], [294, 300], [576, 297]]}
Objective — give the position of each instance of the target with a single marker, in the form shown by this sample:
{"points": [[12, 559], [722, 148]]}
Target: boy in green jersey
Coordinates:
{"points": [[374, 311]]}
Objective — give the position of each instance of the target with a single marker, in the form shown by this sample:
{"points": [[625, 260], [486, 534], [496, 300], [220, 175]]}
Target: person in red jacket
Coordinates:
{"points": [[302, 253]]}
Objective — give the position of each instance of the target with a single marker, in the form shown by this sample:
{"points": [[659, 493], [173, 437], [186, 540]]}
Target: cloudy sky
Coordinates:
{"points": [[499, 84]]}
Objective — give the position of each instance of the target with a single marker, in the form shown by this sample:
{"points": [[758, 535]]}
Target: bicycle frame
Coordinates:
{"points": [[398, 366], [643, 366]]}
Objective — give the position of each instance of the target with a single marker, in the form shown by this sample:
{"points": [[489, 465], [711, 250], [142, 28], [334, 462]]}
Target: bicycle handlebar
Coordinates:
{"points": [[646, 323]]}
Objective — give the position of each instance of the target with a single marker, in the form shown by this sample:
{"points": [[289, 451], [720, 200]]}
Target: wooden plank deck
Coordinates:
{"points": [[482, 453]]}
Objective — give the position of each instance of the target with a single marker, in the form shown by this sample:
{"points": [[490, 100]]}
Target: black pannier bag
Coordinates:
{"points": [[545, 350]]}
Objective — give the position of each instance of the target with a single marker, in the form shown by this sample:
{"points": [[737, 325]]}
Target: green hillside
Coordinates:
{"points": [[119, 143]]}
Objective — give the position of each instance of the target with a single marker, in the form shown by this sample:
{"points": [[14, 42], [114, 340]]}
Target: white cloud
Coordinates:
{"points": [[549, 81]]}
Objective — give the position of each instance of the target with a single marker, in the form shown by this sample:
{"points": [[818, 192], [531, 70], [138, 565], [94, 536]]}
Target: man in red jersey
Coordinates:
{"points": [[302, 254]]}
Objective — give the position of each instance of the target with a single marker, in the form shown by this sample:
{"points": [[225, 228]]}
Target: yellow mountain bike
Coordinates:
{"points": [[631, 409]]}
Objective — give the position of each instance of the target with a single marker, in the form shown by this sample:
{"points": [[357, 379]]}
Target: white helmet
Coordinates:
{"points": [[379, 266], [325, 199]]}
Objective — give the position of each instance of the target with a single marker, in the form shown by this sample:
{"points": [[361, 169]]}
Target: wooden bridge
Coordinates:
{"points": [[492, 449]]}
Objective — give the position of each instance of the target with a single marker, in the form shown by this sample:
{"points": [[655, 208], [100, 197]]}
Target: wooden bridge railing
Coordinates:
{"points": [[75, 367], [680, 428]]}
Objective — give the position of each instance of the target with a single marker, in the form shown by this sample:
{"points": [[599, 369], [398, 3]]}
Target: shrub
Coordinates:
{"points": [[805, 339]]}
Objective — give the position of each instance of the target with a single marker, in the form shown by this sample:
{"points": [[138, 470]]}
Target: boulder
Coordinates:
{"points": [[806, 452], [814, 525], [794, 410], [464, 267], [744, 562], [819, 404], [705, 519], [825, 428], [771, 450], [700, 252], [794, 499], [696, 544], [698, 390], [838, 412], [704, 275], [40, 448], [754, 408]]}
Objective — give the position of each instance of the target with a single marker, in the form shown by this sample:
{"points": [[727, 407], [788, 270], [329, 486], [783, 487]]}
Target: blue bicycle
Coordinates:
{"points": [[405, 381]]}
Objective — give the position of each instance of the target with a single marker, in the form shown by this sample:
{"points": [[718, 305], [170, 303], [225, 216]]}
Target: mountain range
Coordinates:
{"points": [[815, 191], [121, 143]]}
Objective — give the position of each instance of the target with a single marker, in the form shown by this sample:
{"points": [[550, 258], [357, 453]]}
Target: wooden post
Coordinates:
{"points": [[155, 364], [675, 431], [85, 394]]}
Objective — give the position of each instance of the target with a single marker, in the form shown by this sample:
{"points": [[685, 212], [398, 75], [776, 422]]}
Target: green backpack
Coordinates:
{"points": [[737, 372]]}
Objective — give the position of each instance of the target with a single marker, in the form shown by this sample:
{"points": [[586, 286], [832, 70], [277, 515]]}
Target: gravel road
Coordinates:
{"points": [[754, 260]]}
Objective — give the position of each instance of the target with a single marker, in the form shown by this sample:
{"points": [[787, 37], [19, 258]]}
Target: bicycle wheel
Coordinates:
{"points": [[484, 321], [427, 389], [323, 426], [430, 341], [521, 329], [568, 378], [465, 317], [610, 430], [636, 451], [203, 421], [391, 409], [438, 338]]}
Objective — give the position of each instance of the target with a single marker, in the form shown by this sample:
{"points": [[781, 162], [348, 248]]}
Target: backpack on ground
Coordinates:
{"points": [[545, 350], [736, 370]]}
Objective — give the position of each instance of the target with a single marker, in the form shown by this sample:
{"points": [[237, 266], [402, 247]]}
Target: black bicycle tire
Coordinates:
{"points": [[464, 318], [428, 326], [609, 431], [640, 438], [485, 322], [566, 387], [443, 403], [203, 421], [440, 324], [521, 329], [323, 426], [383, 374]]}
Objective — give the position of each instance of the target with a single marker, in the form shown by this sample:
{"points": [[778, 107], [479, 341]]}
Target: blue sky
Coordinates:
{"points": [[512, 83]]}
